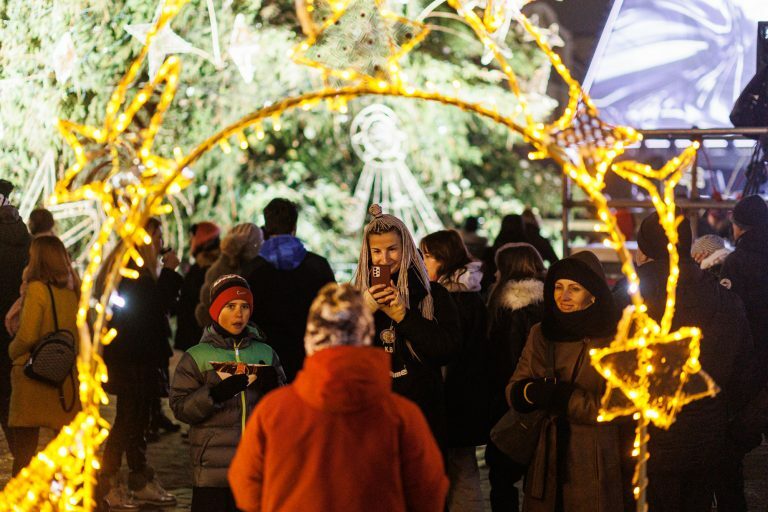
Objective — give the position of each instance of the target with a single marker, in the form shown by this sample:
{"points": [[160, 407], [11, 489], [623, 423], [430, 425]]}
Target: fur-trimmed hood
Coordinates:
{"points": [[519, 294]]}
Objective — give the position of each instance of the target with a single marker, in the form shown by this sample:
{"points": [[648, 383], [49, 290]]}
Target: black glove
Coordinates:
{"points": [[228, 388], [531, 394]]}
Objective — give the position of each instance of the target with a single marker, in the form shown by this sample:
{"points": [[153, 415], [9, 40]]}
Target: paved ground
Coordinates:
{"points": [[170, 457]]}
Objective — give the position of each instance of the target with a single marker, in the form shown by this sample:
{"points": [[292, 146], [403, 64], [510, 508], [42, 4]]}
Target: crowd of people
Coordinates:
{"points": [[303, 394]]}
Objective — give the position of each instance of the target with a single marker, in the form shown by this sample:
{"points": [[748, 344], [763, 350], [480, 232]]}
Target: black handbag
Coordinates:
{"points": [[53, 358], [516, 434], [751, 108]]}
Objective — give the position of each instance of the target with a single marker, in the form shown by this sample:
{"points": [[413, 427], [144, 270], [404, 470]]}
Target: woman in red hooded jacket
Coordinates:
{"points": [[338, 438]]}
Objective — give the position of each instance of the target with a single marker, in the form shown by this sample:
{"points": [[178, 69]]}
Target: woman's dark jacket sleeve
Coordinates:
{"points": [[438, 340]]}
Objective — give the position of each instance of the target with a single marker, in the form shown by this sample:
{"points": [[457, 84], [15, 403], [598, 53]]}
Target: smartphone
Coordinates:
{"points": [[380, 274]]}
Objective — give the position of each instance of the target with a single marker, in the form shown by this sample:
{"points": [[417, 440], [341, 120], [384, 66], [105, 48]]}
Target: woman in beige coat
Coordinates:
{"points": [[578, 462], [35, 404]]}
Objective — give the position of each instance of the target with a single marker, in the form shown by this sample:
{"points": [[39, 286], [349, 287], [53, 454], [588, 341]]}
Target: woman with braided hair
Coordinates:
{"points": [[416, 321]]}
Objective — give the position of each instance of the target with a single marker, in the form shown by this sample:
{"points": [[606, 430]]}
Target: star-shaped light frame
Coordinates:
{"points": [[397, 51], [71, 458]]}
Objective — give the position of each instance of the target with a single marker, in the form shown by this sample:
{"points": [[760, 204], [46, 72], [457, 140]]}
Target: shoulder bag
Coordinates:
{"points": [[517, 433]]}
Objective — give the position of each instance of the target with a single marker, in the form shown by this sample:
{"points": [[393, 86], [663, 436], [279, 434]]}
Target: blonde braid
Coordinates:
{"points": [[385, 223]]}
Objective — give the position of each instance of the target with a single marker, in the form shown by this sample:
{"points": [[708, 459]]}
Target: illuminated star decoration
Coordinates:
{"points": [[590, 143], [244, 48], [652, 372], [372, 52]]}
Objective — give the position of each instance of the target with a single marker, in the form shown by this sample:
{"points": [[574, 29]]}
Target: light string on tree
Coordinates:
{"points": [[62, 476]]}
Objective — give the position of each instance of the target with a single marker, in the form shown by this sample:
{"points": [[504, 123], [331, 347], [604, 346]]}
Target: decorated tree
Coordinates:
{"points": [[63, 59]]}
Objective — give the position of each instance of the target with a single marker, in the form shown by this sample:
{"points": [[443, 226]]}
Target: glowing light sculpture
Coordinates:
{"points": [[62, 476], [386, 179]]}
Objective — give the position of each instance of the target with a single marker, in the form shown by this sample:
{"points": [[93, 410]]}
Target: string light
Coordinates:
{"points": [[638, 382]]}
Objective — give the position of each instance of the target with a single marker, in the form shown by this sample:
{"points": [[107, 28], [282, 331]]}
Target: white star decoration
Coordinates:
{"points": [[166, 42], [243, 48], [64, 58]]}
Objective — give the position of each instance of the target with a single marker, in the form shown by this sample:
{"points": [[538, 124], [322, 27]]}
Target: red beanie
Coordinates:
{"points": [[226, 289], [205, 235]]}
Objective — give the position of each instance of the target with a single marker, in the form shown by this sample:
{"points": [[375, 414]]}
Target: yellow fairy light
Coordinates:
{"points": [[632, 364]]}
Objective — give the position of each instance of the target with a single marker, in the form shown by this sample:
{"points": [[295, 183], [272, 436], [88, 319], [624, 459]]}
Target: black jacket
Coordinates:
{"points": [[14, 255], [698, 436], [520, 308], [541, 244], [745, 272], [281, 301], [467, 382], [143, 331], [188, 331], [421, 348]]}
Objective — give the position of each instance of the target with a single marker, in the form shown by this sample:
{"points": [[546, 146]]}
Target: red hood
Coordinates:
{"points": [[344, 379]]}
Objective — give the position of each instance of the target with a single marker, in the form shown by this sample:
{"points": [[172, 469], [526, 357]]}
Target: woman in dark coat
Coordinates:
{"points": [[466, 378], [135, 362], [577, 465], [416, 320], [512, 230], [514, 307]]}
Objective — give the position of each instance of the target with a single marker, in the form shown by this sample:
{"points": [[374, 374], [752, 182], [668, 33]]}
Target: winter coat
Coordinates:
{"points": [[698, 436], [745, 272], [421, 348], [188, 331], [14, 255], [353, 444], [467, 382], [575, 453], [283, 291], [141, 346], [540, 243], [519, 309], [216, 428], [34, 403]]}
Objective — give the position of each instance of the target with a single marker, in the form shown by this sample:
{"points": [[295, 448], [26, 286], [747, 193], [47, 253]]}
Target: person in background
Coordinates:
{"points": [[50, 304], [686, 464], [353, 443], [136, 360], [41, 223], [512, 231], [285, 279], [416, 320], [14, 255], [710, 251], [745, 272], [514, 307], [240, 246], [205, 249], [476, 244], [217, 384], [533, 234], [466, 377], [714, 222], [581, 469]]}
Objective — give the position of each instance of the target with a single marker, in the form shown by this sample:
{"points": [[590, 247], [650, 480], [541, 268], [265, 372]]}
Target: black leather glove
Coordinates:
{"points": [[531, 394], [229, 387]]}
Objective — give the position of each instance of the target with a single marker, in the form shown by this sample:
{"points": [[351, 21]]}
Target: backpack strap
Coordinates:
{"points": [[62, 399], [53, 304]]}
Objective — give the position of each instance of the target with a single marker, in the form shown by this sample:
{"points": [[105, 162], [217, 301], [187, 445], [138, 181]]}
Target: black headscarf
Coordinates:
{"points": [[598, 320]]}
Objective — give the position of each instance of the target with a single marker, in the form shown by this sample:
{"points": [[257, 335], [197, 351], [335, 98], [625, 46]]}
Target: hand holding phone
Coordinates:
{"points": [[380, 274]]}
